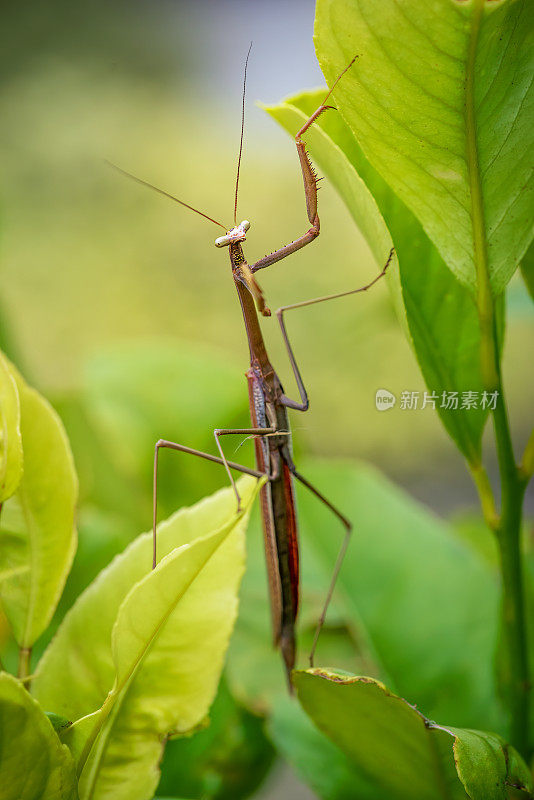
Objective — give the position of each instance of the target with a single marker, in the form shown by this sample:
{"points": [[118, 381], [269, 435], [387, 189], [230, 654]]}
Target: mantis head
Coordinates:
{"points": [[237, 234]]}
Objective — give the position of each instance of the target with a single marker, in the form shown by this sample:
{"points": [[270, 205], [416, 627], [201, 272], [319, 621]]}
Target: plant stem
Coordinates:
{"points": [[513, 599], [508, 527], [25, 654]]}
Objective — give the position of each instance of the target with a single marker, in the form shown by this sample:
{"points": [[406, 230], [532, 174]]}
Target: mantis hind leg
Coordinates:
{"points": [[341, 554]]}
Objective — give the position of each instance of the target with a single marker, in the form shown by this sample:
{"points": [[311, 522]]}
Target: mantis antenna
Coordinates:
{"points": [[242, 132], [164, 193]]}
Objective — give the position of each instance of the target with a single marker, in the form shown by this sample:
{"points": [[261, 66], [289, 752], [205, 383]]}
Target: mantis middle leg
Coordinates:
{"points": [[228, 465], [303, 405]]}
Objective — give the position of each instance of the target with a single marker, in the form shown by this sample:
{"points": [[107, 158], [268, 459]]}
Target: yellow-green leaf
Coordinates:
{"points": [[11, 438], [148, 646], [440, 100], [34, 765], [37, 533]]}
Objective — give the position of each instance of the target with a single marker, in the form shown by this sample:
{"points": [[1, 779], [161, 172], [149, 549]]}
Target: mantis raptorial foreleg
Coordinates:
{"points": [[310, 189]]}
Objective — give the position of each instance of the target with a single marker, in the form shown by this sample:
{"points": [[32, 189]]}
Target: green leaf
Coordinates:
{"points": [[11, 438], [34, 765], [37, 523], [156, 639], [440, 313], [392, 743], [486, 765], [440, 100], [427, 601], [328, 771]]}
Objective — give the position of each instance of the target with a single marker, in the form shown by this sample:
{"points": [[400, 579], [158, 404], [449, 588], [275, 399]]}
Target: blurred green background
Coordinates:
{"points": [[116, 304], [90, 259]]}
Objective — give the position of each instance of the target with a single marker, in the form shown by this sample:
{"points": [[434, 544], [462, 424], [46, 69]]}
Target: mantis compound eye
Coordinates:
{"points": [[237, 234]]}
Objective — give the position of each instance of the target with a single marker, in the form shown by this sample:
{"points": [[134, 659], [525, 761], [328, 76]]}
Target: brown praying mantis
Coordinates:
{"points": [[269, 409]]}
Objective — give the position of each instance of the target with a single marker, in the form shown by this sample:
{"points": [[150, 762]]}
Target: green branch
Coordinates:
{"points": [[25, 654], [513, 602], [508, 525]]}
